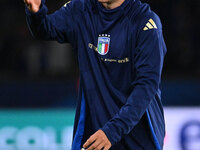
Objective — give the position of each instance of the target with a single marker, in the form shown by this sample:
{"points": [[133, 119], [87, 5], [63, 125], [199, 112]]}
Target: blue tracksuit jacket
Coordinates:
{"points": [[120, 54]]}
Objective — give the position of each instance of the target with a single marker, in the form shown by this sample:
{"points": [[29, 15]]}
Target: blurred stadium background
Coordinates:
{"points": [[38, 80]]}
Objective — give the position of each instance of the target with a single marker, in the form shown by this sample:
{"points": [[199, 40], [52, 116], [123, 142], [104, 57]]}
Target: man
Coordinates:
{"points": [[120, 52]]}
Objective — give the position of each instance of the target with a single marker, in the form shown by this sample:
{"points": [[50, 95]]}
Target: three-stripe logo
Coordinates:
{"points": [[150, 25]]}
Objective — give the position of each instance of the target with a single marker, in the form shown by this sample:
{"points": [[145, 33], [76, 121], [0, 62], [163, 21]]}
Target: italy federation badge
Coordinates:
{"points": [[103, 44]]}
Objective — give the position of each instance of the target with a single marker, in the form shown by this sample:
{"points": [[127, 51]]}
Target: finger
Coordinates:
{"points": [[94, 145], [26, 2], [100, 146], [89, 141], [106, 147]]}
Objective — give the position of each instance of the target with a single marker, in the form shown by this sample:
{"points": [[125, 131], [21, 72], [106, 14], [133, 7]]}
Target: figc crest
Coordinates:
{"points": [[103, 44]]}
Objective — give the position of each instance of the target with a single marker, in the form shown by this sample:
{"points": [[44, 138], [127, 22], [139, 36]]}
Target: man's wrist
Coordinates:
{"points": [[106, 131], [35, 9]]}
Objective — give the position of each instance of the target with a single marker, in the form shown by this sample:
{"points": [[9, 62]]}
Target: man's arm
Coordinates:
{"points": [[58, 26], [148, 63]]}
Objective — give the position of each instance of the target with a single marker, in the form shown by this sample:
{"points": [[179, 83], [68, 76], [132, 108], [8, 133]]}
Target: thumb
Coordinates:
{"points": [[26, 1]]}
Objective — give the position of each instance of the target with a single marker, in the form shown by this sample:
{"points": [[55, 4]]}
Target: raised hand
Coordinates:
{"points": [[33, 5]]}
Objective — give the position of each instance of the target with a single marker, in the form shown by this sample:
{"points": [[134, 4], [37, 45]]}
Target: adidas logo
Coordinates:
{"points": [[150, 25], [66, 4]]}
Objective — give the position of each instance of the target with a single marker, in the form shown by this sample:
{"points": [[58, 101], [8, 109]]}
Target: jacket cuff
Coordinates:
{"points": [[110, 135]]}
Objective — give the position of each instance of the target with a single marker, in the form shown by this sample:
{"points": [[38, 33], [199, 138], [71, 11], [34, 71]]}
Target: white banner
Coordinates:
{"points": [[182, 128]]}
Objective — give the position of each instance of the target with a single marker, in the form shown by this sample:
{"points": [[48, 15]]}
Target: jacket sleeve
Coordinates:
{"points": [[148, 62], [59, 26]]}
